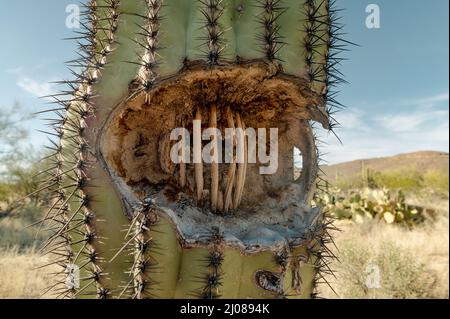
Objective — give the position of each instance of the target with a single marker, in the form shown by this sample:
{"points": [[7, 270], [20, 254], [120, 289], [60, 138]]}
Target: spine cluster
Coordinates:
{"points": [[148, 64], [142, 243], [214, 264], [212, 11], [270, 38], [324, 34]]}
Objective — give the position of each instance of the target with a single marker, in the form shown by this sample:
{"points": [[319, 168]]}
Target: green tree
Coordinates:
{"points": [[18, 165], [12, 133]]}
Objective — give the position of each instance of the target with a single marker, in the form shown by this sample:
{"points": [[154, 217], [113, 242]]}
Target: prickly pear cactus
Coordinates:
{"points": [[140, 226]]}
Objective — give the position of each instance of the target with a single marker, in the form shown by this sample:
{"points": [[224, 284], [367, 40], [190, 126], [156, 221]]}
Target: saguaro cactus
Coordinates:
{"points": [[140, 226]]}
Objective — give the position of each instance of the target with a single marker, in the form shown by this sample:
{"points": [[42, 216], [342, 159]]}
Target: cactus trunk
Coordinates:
{"points": [[139, 225]]}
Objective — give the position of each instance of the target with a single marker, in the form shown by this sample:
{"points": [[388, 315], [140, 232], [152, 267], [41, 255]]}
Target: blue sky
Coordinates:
{"points": [[398, 94]]}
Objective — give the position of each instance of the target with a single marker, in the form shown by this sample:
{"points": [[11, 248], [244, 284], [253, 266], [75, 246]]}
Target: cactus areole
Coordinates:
{"points": [[139, 224]]}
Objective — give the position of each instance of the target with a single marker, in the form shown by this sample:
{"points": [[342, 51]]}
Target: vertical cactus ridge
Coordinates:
{"points": [[67, 164], [314, 43], [212, 11], [89, 247], [272, 42], [214, 262], [333, 77], [186, 43], [148, 65], [324, 16], [325, 253], [325, 19], [336, 45], [166, 255], [75, 216], [145, 218], [323, 256], [155, 256]]}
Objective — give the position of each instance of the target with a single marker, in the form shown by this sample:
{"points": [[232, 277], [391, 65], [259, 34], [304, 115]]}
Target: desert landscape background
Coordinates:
{"points": [[405, 237]]}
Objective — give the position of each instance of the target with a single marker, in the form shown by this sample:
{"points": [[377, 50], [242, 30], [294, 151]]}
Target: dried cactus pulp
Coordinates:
{"points": [[140, 226]]}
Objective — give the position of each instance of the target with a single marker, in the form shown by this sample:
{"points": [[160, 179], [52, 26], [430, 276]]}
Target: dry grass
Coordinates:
{"points": [[412, 263], [20, 276]]}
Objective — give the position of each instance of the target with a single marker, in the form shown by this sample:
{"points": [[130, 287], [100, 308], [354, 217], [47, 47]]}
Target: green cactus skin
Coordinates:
{"points": [[127, 246]]}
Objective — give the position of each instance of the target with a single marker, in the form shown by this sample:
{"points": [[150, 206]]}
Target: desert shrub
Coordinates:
{"points": [[350, 183], [435, 179], [405, 179], [384, 205], [22, 274], [413, 262], [401, 275], [15, 231], [17, 213]]}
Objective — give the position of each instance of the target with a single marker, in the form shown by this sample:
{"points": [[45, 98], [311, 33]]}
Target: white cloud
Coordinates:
{"points": [[424, 102], [432, 100], [424, 125], [353, 119], [30, 85], [15, 71], [410, 122], [34, 87]]}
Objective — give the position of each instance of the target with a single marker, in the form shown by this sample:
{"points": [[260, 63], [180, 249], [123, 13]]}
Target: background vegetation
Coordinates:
{"points": [[19, 167], [408, 179]]}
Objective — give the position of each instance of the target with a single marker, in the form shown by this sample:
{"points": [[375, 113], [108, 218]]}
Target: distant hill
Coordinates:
{"points": [[421, 161]]}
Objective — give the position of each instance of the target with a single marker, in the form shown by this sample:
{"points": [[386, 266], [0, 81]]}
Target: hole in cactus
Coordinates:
{"points": [[137, 148], [269, 281], [298, 163]]}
